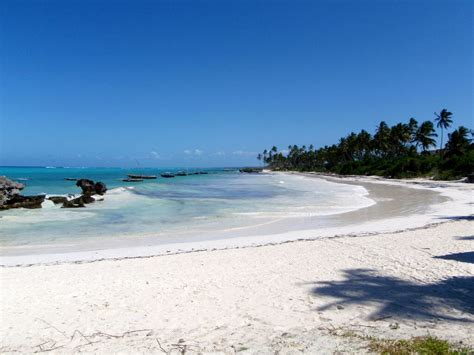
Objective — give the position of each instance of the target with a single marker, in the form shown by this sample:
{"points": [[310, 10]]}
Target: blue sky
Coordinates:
{"points": [[211, 83]]}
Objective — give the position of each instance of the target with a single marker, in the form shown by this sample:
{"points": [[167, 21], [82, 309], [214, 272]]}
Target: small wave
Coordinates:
{"points": [[121, 190]]}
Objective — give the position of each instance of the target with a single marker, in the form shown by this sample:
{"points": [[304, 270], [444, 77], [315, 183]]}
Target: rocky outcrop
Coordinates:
{"points": [[10, 196], [90, 188], [80, 201], [8, 189], [58, 199], [100, 188], [24, 201]]}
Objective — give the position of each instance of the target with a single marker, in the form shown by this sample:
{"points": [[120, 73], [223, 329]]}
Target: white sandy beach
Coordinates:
{"points": [[379, 279]]}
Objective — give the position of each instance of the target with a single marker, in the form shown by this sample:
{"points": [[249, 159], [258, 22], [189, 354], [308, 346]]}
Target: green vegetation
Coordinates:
{"points": [[420, 345], [400, 151]]}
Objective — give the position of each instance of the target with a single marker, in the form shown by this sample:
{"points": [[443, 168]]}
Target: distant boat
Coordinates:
{"points": [[132, 180], [167, 175], [181, 173], [134, 176]]}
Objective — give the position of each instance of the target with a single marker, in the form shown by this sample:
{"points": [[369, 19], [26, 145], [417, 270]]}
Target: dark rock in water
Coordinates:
{"points": [[24, 201], [71, 179], [90, 188], [80, 201], [87, 186], [100, 188], [470, 178], [86, 199], [10, 196], [58, 199], [74, 203]]}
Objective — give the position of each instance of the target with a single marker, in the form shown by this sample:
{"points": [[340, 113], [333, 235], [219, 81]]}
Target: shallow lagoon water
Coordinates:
{"points": [[168, 209]]}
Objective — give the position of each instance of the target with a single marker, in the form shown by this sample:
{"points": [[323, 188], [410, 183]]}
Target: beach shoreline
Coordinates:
{"points": [[317, 295], [365, 221]]}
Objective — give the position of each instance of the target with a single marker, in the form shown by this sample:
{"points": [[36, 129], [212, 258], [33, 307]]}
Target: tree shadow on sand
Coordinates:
{"points": [[459, 218], [467, 257], [467, 237], [450, 299]]}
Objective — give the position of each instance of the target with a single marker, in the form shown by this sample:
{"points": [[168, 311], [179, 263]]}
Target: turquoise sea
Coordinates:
{"points": [[177, 209]]}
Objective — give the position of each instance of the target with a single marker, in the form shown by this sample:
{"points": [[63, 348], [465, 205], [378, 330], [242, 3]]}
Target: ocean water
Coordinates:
{"points": [[182, 208]]}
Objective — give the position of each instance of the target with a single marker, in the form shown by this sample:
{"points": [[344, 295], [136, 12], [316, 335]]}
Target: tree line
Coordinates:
{"points": [[402, 150]]}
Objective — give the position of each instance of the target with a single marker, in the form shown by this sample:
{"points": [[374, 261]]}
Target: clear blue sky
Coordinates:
{"points": [[210, 83]]}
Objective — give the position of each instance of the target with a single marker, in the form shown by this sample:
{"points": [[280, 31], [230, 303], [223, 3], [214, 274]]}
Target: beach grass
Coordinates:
{"points": [[418, 345]]}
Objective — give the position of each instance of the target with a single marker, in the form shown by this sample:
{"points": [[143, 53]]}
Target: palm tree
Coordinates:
{"points": [[381, 136], [259, 157], [424, 136], [458, 141], [363, 144], [412, 127], [343, 149], [443, 120], [413, 124], [399, 137]]}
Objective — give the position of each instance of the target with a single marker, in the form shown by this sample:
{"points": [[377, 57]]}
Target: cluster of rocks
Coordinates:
{"points": [[89, 189], [10, 196]]}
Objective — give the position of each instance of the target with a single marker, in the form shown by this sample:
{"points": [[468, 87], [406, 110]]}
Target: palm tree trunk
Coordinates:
{"points": [[441, 144]]}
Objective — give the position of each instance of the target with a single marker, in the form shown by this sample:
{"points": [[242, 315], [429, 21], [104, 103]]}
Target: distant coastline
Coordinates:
{"points": [[404, 150]]}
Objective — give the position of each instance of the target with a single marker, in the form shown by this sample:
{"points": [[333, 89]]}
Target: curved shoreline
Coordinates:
{"points": [[452, 205], [277, 297]]}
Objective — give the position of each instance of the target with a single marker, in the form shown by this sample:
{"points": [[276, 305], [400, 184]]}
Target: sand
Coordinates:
{"points": [[296, 296]]}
